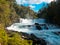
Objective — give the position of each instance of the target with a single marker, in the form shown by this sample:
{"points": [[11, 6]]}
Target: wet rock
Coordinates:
{"points": [[57, 33], [45, 26], [38, 26], [25, 36], [29, 25], [38, 41]]}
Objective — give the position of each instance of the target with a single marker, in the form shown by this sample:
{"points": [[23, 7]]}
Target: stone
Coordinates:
{"points": [[38, 26]]}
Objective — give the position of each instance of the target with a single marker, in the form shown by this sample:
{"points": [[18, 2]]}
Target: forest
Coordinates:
{"points": [[51, 13], [11, 12]]}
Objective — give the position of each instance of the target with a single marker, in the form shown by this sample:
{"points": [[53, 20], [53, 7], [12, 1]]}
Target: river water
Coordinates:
{"points": [[27, 26]]}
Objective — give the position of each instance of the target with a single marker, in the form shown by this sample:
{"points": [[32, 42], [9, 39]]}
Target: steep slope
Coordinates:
{"points": [[51, 13], [7, 13], [8, 16], [25, 12]]}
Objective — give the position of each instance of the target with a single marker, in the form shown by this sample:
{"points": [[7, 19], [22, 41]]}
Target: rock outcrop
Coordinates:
{"points": [[38, 26], [36, 40]]}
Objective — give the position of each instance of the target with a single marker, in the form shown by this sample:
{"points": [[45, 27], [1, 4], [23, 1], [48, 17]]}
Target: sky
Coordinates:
{"points": [[35, 5]]}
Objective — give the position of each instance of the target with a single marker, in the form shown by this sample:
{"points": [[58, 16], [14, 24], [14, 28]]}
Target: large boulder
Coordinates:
{"points": [[38, 26]]}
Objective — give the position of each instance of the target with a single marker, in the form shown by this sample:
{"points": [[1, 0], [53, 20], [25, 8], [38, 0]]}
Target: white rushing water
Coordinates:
{"points": [[46, 34]]}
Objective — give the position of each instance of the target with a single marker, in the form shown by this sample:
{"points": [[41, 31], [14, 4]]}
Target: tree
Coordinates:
{"points": [[51, 13]]}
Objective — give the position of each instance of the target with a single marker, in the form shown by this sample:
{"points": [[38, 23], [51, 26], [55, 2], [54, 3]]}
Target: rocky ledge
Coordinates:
{"points": [[36, 40]]}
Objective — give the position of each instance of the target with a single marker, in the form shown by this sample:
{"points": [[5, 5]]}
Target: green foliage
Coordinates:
{"points": [[7, 13], [24, 12], [17, 40], [51, 13], [3, 36], [12, 38], [10, 13]]}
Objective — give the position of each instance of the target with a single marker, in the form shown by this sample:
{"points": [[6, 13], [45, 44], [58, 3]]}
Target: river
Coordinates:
{"points": [[27, 26]]}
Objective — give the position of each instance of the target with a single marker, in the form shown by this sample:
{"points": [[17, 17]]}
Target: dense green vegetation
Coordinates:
{"points": [[51, 13], [10, 13], [7, 13], [12, 38], [25, 12]]}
